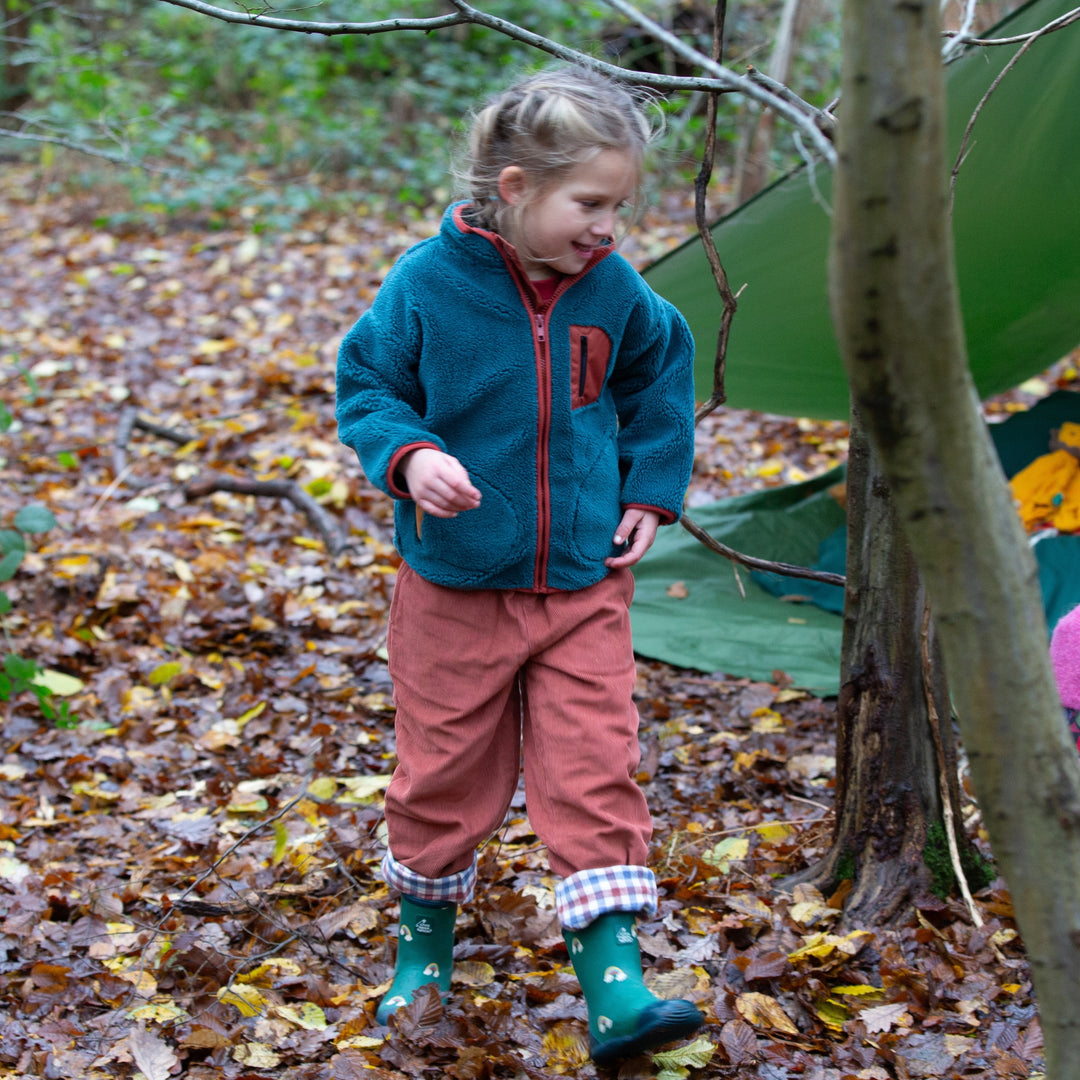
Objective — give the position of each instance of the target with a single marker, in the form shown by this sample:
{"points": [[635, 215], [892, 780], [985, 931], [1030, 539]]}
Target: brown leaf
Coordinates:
{"points": [[154, 1057], [739, 1042]]}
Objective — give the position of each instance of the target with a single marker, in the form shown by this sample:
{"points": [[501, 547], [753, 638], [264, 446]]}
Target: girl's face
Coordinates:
{"points": [[560, 227]]}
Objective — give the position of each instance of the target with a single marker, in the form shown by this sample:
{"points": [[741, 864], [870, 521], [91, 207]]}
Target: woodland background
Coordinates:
{"points": [[190, 820]]}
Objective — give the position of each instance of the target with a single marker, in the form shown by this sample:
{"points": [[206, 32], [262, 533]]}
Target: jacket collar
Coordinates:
{"points": [[454, 224]]}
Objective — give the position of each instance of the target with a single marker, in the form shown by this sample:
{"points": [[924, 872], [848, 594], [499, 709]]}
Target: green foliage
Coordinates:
{"points": [[219, 119], [20, 674], [273, 122], [978, 871]]}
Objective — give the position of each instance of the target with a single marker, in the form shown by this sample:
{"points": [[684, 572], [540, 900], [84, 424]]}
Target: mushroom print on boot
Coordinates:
{"points": [[625, 1017], [425, 953]]}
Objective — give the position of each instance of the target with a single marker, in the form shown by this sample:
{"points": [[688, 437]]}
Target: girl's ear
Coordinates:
{"points": [[512, 184]]}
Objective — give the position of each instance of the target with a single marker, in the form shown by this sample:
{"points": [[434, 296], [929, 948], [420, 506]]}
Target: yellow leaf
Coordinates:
{"points": [[362, 788], [243, 802], [760, 1010], [695, 1055], [832, 1014], [308, 542], [266, 972], [730, 849], [257, 1055], [241, 720], [473, 973], [566, 1048], [73, 566], [281, 842], [145, 984], [812, 911], [246, 998], [323, 789], [310, 1017], [774, 832], [858, 990], [56, 682], [359, 1042], [211, 347], [165, 673], [819, 946], [183, 571], [161, 1012]]}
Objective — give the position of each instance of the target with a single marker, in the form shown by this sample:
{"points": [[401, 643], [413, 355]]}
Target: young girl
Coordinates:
{"points": [[527, 400]]}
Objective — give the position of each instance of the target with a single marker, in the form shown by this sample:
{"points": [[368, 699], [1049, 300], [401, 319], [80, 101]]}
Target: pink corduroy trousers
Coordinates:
{"points": [[486, 678]]}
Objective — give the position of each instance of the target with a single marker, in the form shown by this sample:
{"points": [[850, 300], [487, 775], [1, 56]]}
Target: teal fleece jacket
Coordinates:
{"points": [[563, 413]]}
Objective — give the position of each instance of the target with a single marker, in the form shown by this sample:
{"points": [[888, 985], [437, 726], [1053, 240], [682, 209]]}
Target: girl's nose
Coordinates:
{"points": [[604, 224]]}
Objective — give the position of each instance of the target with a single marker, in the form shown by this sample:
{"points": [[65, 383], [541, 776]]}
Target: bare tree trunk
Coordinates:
{"points": [[889, 775], [14, 77], [897, 316], [752, 171]]}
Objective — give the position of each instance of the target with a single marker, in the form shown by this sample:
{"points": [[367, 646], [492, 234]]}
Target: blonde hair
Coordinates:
{"points": [[547, 125]]}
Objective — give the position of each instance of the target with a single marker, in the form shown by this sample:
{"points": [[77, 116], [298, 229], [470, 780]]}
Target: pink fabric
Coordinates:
{"points": [[485, 677], [1065, 658]]}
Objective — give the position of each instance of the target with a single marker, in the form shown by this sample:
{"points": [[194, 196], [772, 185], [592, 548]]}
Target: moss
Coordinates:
{"points": [[978, 871], [845, 867]]}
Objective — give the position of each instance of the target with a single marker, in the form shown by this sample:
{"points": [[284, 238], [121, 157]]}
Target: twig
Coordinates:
{"points": [[323, 523], [701, 187], [943, 781], [751, 562], [1057, 24], [718, 79], [962, 152]]}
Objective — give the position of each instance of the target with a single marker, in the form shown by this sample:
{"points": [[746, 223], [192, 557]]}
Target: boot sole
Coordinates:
{"points": [[658, 1024]]}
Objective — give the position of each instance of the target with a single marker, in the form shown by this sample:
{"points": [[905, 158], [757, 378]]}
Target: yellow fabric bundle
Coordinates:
{"points": [[1047, 492]]}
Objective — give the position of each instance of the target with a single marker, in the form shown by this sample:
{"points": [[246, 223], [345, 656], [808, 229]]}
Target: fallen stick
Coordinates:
{"points": [[322, 522]]}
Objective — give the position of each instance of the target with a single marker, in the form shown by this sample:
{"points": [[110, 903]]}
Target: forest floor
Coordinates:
{"points": [[189, 861]]}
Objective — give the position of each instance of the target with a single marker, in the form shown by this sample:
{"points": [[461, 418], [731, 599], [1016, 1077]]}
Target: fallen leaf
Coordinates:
{"points": [[764, 1011], [155, 1058]]}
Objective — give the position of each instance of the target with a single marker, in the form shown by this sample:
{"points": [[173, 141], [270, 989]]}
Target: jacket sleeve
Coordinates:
{"points": [[380, 402], [653, 385]]}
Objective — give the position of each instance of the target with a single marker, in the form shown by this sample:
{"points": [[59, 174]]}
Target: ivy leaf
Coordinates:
{"points": [[35, 518]]}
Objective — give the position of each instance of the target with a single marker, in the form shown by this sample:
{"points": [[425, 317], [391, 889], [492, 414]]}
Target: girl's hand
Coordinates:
{"points": [[639, 528], [438, 483]]}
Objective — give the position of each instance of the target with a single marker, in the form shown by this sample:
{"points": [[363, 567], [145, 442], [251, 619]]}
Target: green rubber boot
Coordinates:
{"points": [[425, 952], [625, 1017]]}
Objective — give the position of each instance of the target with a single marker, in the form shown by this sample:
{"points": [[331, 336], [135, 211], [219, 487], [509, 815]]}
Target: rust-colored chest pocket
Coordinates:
{"points": [[590, 351]]}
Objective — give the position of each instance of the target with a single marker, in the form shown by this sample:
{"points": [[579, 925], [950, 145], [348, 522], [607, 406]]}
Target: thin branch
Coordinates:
{"points": [[962, 152], [323, 523], [327, 29], [823, 117], [953, 47], [1057, 24], [69, 144], [753, 563], [802, 116], [701, 187], [943, 774], [720, 79]]}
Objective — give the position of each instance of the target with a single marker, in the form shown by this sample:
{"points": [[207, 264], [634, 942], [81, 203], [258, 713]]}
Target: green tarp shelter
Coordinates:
{"points": [[1017, 235], [1016, 228]]}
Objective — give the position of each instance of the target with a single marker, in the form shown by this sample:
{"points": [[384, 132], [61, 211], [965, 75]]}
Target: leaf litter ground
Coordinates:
{"points": [[189, 876]]}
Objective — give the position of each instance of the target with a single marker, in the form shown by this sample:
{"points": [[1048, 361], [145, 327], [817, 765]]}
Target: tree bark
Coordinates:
{"points": [[889, 779], [897, 316]]}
